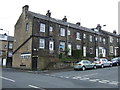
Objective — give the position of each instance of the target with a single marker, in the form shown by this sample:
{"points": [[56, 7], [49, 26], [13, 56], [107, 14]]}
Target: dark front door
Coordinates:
{"points": [[34, 63], [9, 62]]}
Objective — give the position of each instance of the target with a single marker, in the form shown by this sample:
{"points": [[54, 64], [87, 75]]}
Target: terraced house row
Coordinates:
{"points": [[40, 37]]}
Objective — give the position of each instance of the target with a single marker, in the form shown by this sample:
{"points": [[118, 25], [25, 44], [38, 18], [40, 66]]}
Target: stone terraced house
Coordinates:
{"points": [[41, 38]]}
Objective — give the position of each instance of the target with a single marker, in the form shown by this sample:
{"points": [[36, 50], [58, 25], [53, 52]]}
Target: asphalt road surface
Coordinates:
{"points": [[99, 78]]}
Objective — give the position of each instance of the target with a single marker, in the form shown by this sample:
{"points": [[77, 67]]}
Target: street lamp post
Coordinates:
{"points": [[7, 44]]}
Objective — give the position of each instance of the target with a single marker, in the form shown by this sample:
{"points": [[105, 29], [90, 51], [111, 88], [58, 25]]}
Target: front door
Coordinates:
{"points": [[84, 51], [34, 63], [70, 48]]}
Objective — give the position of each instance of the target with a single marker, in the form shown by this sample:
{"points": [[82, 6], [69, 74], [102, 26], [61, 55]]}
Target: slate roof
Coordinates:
{"points": [[44, 17], [60, 22], [10, 38]]}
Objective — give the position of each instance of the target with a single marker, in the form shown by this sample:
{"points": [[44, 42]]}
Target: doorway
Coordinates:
{"points": [[34, 63]]}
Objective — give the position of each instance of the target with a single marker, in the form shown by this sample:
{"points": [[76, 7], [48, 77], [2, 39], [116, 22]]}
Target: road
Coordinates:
{"points": [[99, 78]]}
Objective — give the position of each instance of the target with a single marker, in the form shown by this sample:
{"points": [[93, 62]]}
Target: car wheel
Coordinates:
{"points": [[110, 65], [102, 66], [83, 68], [94, 67]]}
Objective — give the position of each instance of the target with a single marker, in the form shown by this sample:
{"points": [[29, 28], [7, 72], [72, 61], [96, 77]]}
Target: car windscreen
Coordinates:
{"points": [[97, 59], [114, 59]]}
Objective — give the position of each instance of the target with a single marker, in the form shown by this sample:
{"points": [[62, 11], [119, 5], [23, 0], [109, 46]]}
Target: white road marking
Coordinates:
{"points": [[7, 79], [104, 81], [66, 77], [33, 86], [74, 78], [94, 80], [79, 77], [84, 78], [114, 82]]}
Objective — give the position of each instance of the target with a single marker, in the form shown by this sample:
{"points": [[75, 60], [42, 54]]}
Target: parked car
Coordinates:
{"points": [[84, 64], [116, 61], [102, 62]]}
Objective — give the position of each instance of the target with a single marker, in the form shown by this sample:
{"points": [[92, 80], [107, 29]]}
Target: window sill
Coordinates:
{"points": [[78, 39]]}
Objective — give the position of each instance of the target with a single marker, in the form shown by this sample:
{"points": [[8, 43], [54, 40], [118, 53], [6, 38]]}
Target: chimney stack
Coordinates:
{"points": [[98, 27], [78, 23], [48, 14], [64, 19], [25, 8], [114, 31]]}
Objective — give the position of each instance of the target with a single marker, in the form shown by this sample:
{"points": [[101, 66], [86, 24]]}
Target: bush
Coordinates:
{"points": [[60, 55], [77, 54], [90, 55]]}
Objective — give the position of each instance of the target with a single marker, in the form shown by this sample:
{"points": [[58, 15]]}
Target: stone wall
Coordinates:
{"points": [[48, 62]]}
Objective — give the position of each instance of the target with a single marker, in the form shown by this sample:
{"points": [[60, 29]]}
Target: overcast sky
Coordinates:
{"points": [[88, 12]]}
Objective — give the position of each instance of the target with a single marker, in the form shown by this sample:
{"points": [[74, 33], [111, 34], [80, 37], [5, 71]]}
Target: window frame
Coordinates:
{"points": [[50, 29], [78, 47], [42, 41], [51, 43], [78, 36], [27, 26], [63, 45], [104, 41], [42, 27], [111, 49], [91, 38], [62, 31], [84, 36]]}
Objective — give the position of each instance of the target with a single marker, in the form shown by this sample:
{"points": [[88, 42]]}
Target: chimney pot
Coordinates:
{"points": [[98, 27], [25, 8], [48, 14], [114, 32], [64, 19], [78, 23]]}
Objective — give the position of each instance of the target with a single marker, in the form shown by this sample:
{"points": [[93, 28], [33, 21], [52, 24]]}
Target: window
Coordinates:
{"points": [[90, 38], [104, 41], [100, 39], [96, 38], [100, 50], [68, 32], [117, 40], [62, 32], [42, 27], [10, 45], [78, 36], [84, 51], [42, 43], [70, 49], [91, 50], [26, 26], [51, 45], [5, 46], [84, 36], [62, 45], [111, 39], [78, 47], [111, 49], [50, 28]]}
